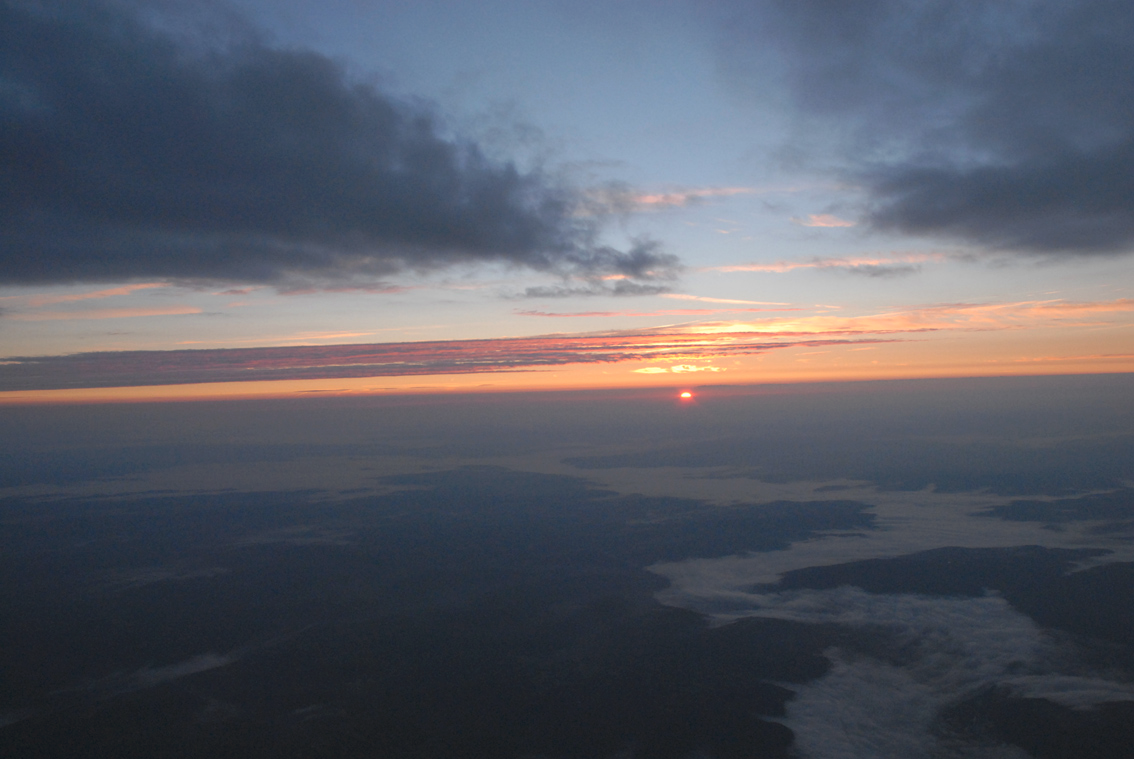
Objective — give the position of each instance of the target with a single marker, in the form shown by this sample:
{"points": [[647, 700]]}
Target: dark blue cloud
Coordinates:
{"points": [[1009, 125], [139, 144]]}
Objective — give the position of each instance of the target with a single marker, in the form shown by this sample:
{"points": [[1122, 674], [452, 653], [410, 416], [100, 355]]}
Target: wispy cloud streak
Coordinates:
{"points": [[138, 368], [672, 312], [704, 299], [684, 344], [45, 299], [823, 220], [103, 313], [621, 198], [869, 265], [944, 316]]}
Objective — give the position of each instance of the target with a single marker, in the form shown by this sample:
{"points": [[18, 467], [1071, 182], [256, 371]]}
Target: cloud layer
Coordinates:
{"points": [[894, 265], [138, 368], [133, 151], [683, 343], [950, 649], [1008, 125]]}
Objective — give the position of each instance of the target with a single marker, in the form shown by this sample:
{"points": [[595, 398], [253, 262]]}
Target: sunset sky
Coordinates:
{"points": [[567, 378], [267, 198]]}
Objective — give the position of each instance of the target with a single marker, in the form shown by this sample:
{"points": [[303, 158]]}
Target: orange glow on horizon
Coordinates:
{"points": [[951, 340], [587, 378]]}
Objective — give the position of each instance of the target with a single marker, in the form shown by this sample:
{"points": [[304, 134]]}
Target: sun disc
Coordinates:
{"points": [[687, 394]]}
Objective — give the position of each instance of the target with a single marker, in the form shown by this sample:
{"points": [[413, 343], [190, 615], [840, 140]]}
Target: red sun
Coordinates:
{"points": [[686, 395]]}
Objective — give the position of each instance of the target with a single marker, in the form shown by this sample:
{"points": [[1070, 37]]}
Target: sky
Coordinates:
{"points": [[233, 199]]}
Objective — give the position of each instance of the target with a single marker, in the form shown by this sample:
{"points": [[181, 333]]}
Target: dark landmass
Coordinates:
{"points": [[894, 462], [481, 613], [1037, 581], [1114, 509], [1044, 729], [81, 464]]}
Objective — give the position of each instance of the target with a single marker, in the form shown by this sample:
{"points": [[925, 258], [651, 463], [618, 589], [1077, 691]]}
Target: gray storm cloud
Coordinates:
{"points": [[1009, 125], [137, 144]]}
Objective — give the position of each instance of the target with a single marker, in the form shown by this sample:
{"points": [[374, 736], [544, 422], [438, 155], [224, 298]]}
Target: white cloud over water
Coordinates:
{"points": [[938, 652]]}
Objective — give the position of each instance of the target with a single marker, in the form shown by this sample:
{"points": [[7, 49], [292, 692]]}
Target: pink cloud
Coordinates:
{"points": [[679, 198], [39, 301], [621, 199], [672, 312], [863, 263], [135, 368], [947, 316], [823, 220], [102, 313], [378, 289], [689, 345], [678, 369], [681, 296]]}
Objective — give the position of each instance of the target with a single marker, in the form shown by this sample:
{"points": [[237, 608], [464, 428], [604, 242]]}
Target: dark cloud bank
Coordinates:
{"points": [[133, 151], [1009, 125]]}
